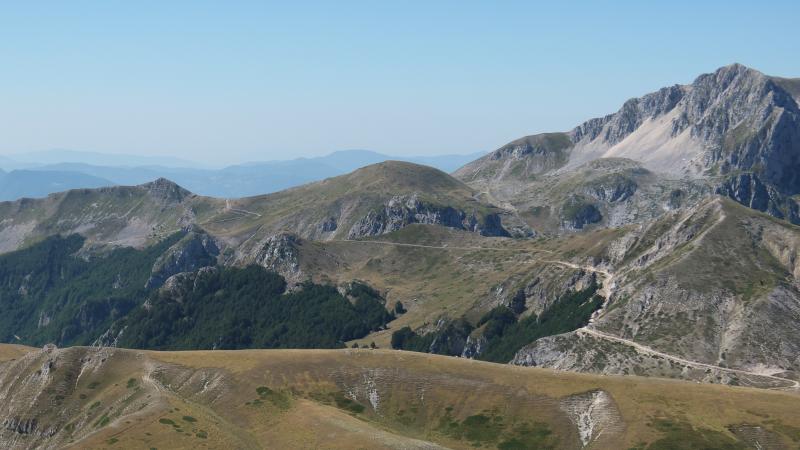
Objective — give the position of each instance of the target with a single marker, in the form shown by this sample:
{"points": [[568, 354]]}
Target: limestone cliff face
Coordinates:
{"points": [[401, 211], [279, 253], [734, 119], [613, 128], [197, 249], [748, 189], [736, 128], [709, 293], [577, 212], [177, 287]]}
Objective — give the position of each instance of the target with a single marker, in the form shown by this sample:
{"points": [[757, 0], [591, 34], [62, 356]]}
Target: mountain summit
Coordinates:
{"points": [[736, 128]]}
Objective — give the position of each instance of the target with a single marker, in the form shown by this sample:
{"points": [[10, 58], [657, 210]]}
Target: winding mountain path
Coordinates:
{"points": [[442, 247], [240, 211], [653, 352], [606, 291]]}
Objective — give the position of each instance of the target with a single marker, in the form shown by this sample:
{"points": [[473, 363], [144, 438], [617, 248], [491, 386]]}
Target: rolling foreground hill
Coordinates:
{"points": [[113, 398]]}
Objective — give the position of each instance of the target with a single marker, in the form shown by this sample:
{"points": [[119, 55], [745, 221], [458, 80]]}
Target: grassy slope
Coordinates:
{"points": [[709, 284], [545, 151], [347, 198], [218, 399], [116, 216], [12, 351], [456, 274], [135, 215]]}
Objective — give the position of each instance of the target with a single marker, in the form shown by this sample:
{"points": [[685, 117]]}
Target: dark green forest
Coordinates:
{"points": [[235, 308], [505, 332], [50, 294]]}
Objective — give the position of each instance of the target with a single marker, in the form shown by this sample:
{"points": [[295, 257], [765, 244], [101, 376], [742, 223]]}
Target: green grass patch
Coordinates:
{"points": [[530, 436], [339, 400], [280, 400], [347, 404], [103, 421], [506, 335]]}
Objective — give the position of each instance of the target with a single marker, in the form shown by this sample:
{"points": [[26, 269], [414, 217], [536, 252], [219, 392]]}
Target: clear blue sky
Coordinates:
{"points": [[234, 81]]}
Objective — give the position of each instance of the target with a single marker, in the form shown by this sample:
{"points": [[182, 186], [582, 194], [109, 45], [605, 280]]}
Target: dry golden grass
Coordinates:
{"points": [[10, 352], [343, 399], [640, 400]]}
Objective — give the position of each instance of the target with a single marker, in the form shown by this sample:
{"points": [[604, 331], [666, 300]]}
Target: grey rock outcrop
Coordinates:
{"points": [[749, 190], [611, 189], [474, 345], [401, 211], [166, 191], [613, 128], [735, 124], [195, 250], [595, 415], [576, 213], [180, 285], [279, 253], [20, 425]]}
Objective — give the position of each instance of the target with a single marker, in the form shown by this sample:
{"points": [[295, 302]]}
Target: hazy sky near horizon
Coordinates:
{"points": [[233, 81]]}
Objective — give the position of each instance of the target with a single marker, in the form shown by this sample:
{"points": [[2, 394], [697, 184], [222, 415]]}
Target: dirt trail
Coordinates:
{"points": [[443, 247], [605, 290], [650, 351], [240, 211]]}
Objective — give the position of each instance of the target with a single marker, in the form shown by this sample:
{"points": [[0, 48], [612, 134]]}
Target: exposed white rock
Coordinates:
{"points": [[594, 414]]}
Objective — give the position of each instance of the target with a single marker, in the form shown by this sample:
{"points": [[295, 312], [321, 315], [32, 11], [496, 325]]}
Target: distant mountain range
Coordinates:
{"points": [[39, 183], [87, 170], [55, 156]]}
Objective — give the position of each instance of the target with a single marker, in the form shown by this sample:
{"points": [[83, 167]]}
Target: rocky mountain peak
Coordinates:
{"points": [[166, 191], [613, 128], [733, 121]]}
